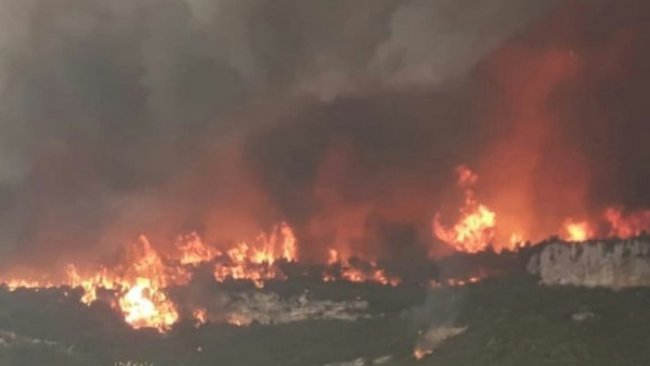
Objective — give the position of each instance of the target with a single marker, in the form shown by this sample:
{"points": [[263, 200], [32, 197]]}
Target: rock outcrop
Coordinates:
{"points": [[612, 263]]}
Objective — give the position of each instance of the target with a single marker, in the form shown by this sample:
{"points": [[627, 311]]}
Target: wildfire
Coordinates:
{"points": [[577, 230], [617, 223], [476, 225], [14, 284], [256, 262], [623, 226], [145, 306], [137, 286], [358, 272], [375, 275], [194, 251]]}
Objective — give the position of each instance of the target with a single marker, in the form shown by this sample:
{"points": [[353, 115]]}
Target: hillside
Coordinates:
{"points": [[510, 321]]}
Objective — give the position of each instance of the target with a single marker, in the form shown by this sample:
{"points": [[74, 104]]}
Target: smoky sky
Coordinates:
{"points": [[163, 116]]}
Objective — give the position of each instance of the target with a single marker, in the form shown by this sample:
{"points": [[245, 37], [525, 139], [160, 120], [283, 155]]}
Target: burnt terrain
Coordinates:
{"points": [[510, 321]]}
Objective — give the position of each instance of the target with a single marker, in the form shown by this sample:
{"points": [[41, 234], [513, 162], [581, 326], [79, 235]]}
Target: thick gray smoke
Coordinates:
{"points": [[105, 105]]}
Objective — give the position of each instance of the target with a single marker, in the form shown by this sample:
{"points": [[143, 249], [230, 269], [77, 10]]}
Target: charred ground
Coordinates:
{"points": [[510, 321]]}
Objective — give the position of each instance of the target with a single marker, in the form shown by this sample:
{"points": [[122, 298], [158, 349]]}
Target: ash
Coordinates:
{"points": [[270, 308]]}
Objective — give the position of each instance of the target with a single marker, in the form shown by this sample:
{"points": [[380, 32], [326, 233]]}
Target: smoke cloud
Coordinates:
{"points": [[225, 116]]}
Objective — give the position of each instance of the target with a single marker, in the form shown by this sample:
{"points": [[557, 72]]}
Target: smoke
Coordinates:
{"points": [[165, 116], [560, 113]]}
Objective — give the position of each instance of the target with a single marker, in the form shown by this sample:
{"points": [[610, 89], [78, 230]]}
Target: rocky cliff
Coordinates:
{"points": [[612, 263]]}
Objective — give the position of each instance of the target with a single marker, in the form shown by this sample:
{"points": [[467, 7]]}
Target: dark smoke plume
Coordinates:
{"points": [[345, 118]]}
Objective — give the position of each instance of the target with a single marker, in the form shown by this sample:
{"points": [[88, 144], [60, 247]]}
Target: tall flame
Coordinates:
{"points": [[255, 262], [138, 284], [475, 227]]}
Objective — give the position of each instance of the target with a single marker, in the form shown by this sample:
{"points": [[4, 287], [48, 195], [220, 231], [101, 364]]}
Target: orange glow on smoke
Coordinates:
{"points": [[623, 226], [332, 256], [531, 172]]}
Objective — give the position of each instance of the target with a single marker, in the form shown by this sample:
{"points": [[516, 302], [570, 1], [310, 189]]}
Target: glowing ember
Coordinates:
{"points": [[455, 282], [360, 273], [373, 275], [332, 256], [200, 317], [516, 240], [466, 177], [419, 354], [237, 320]]}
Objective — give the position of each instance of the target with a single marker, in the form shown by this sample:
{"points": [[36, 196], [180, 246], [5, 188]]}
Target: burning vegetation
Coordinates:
{"points": [[322, 164], [477, 224], [138, 285]]}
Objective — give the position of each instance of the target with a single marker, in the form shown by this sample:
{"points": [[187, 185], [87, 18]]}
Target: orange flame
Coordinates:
{"points": [[623, 226], [194, 251], [256, 262], [137, 285], [577, 230], [348, 272], [475, 228], [200, 316], [145, 306]]}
